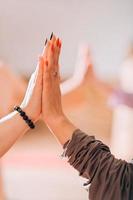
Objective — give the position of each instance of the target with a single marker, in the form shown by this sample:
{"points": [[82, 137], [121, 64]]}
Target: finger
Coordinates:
{"points": [[47, 77], [57, 51], [29, 91], [50, 55], [45, 66], [45, 49], [47, 46], [38, 85], [56, 46], [53, 38]]}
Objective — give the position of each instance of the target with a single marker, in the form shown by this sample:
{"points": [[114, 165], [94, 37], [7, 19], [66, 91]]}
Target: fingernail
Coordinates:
{"points": [[46, 41], [46, 62], [51, 36], [52, 48], [60, 44], [57, 42]]}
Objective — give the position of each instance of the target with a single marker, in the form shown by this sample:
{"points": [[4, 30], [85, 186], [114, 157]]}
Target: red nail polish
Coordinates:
{"points": [[57, 42], [52, 48]]}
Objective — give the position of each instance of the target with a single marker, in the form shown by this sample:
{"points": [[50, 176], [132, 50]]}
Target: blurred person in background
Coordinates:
{"points": [[83, 70], [81, 94], [122, 99]]}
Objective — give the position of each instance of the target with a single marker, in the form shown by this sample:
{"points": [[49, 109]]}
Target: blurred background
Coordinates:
{"points": [[97, 87]]}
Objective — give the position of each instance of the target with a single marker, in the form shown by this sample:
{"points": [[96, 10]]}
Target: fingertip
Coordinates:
{"points": [[53, 38], [46, 42], [57, 42], [45, 49], [60, 43]]}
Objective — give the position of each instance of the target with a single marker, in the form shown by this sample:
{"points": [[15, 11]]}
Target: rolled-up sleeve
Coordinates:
{"points": [[109, 178]]}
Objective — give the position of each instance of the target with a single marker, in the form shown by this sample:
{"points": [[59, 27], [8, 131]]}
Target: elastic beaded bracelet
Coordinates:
{"points": [[25, 117]]}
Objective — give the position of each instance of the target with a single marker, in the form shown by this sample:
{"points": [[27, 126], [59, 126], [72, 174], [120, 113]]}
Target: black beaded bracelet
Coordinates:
{"points": [[25, 117]]}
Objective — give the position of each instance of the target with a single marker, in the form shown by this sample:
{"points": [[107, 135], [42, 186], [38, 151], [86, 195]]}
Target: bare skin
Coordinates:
{"points": [[14, 127], [52, 111], [12, 89], [42, 101]]}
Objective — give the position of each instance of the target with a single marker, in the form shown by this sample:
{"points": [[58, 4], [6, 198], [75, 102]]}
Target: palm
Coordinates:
{"points": [[51, 99]]}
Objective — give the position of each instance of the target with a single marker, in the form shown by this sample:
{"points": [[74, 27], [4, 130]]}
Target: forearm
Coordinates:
{"points": [[11, 129], [62, 129]]}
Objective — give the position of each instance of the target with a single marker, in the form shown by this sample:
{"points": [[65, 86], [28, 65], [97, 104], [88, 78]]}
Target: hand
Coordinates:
{"points": [[33, 98], [52, 111], [51, 97]]}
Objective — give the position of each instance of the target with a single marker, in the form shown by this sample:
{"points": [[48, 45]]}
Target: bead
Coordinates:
{"points": [[25, 117], [32, 126], [28, 121], [22, 113], [17, 108]]}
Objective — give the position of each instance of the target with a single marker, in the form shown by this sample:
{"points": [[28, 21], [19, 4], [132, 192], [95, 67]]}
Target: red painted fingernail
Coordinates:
{"points": [[57, 42], [46, 62], [52, 48]]}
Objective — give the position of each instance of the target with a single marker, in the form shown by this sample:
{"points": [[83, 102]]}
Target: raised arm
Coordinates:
{"points": [[13, 126], [51, 101], [110, 178]]}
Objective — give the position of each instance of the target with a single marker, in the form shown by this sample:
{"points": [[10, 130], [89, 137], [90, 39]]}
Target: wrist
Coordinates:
{"points": [[56, 121], [62, 128], [30, 114], [25, 117]]}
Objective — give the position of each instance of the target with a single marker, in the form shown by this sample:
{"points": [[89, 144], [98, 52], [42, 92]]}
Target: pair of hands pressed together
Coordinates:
{"points": [[43, 99], [46, 97]]}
